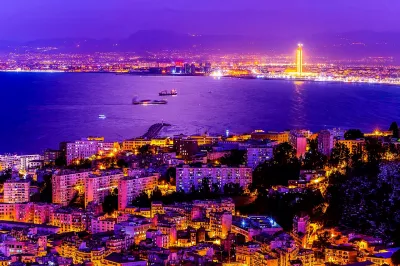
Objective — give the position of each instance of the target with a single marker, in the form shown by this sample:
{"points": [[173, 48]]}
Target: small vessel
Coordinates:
{"points": [[168, 93], [102, 116], [148, 102]]}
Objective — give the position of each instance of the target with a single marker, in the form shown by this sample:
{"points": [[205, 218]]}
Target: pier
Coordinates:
{"points": [[155, 130]]}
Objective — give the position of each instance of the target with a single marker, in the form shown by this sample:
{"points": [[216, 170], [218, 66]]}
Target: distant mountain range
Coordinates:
{"points": [[350, 44]]}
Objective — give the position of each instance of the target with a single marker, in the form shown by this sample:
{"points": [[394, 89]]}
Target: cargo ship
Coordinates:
{"points": [[168, 93], [148, 102]]}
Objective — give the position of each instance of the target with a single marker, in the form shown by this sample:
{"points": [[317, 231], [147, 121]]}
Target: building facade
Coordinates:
{"points": [[188, 177]]}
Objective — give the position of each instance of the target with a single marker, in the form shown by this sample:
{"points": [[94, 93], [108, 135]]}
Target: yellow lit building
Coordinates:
{"points": [[245, 253], [341, 255], [354, 146], [280, 137], [262, 258], [378, 133], [161, 142], [204, 139], [299, 59], [133, 144]]}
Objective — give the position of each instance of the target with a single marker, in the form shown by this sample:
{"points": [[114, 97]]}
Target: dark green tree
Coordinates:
{"points": [[121, 163], [170, 175], [235, 158], [46, 194], [5, 175], [395, 129], [145, 150], [353, 134], [283, 167], [60, 161], [205, 186], [215, 188], [284, 154], [156, 195], [374, 150], [142, 200], [322, 243], [313, 159], [110, 203], [340, 154], [233, 189]]}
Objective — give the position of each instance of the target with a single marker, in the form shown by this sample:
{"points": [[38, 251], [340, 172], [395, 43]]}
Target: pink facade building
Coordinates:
{"points": [[16, 191], [325, 142], [130, 187], [66, 184], [101, 184], [299, 142]]}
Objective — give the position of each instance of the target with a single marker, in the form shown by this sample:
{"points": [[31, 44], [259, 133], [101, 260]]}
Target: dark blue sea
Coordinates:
{"points": [[38, 110]]}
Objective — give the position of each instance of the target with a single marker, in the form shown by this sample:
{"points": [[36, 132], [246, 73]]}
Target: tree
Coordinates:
{"points": [[283, 167], [395, 257], [205, 186], [46, 194], [215, 188], [121, 163], [323, 239], [110, 203], [374, 151], [170, 175], [353, 134], [284, 154], [142, 200], [145, 150], [60, 161], [233, 189], [395, 129], [322, 242], [235, 158], [340, 154], [314, 159], [156, 195], [5, 175]]}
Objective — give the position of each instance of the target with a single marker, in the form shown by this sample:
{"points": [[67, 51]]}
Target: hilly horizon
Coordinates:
{"points": [[332, 45]]}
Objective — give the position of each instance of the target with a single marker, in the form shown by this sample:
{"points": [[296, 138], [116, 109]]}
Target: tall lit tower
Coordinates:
{"points": [[299, 59]]}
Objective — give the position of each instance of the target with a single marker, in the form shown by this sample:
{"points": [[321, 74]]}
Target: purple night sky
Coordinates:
{"points": [[33, 19]]}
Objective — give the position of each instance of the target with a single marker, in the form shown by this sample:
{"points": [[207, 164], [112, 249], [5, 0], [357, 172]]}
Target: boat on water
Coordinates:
{"points": [[168, 93], [148, 102], [102, 116]]}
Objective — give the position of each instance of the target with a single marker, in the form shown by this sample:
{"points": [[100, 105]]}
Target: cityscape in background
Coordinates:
{"points": [[298, 65]]}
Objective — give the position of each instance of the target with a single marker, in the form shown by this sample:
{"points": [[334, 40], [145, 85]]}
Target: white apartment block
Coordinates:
{"points": [[100, 185], [16, 191], [81, 149], [66, 184], [130, 187], [101, 224], [257, 155], [19, 162], [187, 176], [10, 161], [28, 161]]}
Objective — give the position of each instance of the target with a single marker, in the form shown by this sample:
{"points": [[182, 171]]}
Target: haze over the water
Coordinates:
{"points": [[30, 20]]}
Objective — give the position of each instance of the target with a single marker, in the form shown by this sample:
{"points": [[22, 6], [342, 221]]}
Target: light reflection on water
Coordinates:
{"points": [[38, 110]]}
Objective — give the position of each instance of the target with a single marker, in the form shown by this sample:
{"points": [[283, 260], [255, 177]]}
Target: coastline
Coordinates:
{"points": [[301, 79]]}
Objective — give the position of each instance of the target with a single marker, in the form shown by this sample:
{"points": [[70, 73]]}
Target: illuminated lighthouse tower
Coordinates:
{"points": [[299, 59]]}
